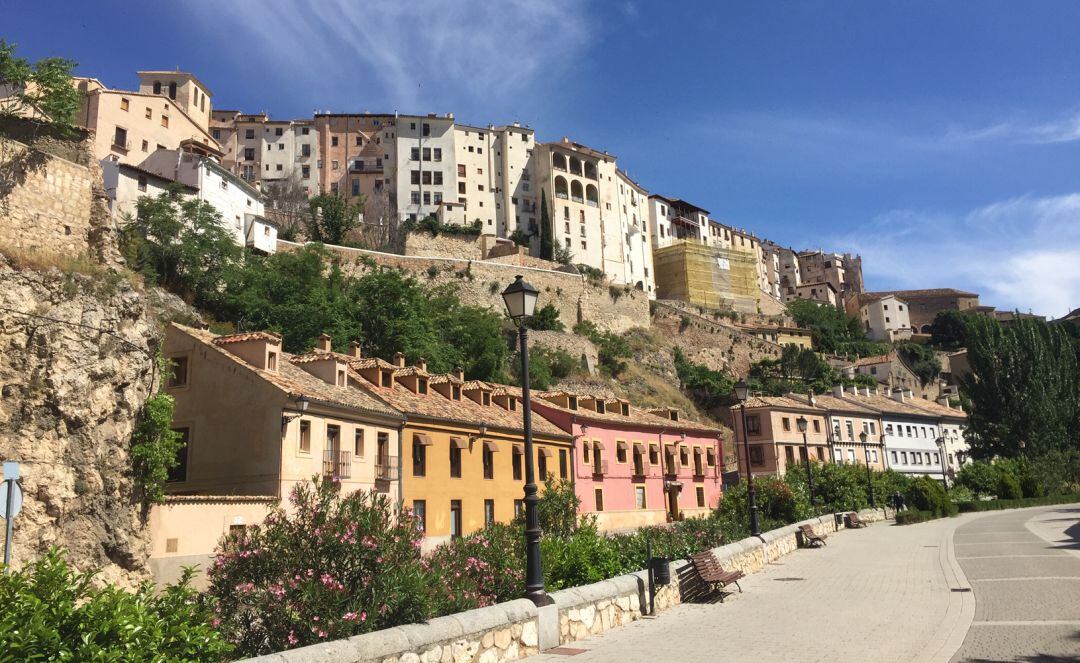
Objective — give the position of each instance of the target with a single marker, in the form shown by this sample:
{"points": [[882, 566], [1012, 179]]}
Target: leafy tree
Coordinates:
{"points": [[42, 90], [797, 369], [547, 232], [290, 201], [922, 360], [1024, 388], [980, 477], [51, 612], [546, 366], [949, 330], [546, 318], [331, 217], [155, 446], [708, 388]]}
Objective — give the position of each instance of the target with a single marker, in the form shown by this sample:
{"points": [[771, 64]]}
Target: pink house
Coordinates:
{"points": [[634, 467]]}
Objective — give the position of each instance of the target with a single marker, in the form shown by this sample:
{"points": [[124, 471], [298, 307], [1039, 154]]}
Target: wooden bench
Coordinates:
{"points": [[713, 574], [854, 521], [810, 539]]}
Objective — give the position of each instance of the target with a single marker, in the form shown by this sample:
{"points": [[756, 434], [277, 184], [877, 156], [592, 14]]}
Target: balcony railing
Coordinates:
{"points": [[600, 469], [386, 469], [337, 464], [365, 167]]}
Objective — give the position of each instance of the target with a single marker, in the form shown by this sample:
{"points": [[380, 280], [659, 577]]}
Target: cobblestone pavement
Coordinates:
{"points": [[1024, 569], [880, 594]]}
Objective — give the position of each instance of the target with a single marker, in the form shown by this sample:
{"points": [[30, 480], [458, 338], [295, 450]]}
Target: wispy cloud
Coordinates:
{"points": [[405, 54], [1021, 253], [1065, 129]]}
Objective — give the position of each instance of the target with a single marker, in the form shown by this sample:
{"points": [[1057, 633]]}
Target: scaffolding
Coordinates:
{"points": [[707, 276]]}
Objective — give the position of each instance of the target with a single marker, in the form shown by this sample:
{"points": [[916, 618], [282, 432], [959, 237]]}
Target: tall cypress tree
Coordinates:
{"points": [[547, 246]]}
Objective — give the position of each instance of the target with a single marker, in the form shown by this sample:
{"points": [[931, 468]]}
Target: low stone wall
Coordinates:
{"points": [[516, 629]]}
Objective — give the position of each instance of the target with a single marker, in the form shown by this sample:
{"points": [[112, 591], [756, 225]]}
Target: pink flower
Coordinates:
{"points": [[292, 640], [363, 616]]}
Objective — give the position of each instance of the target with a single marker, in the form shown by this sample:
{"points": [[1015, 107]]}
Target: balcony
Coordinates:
{"points": [[337, 464], [600, 469], [365, 167], [386, 469]]}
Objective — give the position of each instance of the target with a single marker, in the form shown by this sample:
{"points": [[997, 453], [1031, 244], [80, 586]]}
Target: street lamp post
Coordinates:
{"points": [[741, 391], [944, 475], [866, 457], [801, 423], [520, 299]]}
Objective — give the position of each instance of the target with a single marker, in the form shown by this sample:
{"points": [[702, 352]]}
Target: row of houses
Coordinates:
{"points": [[894, 430]]}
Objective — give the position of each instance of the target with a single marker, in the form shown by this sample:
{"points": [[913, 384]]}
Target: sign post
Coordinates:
{"points": [[11, 499]]}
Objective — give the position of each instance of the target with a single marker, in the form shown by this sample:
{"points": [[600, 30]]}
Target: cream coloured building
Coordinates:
{"points": [[886, 319], [494, 178]]}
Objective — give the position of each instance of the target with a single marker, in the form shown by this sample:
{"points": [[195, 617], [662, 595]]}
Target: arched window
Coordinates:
{"points": [[590, 170], [575, 166], [575, 192], [592, 196], [172, 90], [157, 87], [558, 161], [560, 187]]}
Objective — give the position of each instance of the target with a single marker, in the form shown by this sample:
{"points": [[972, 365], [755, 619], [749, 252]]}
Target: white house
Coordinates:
{"points": [[886, 319], [239, 203], [125, 184], [909, 432]]}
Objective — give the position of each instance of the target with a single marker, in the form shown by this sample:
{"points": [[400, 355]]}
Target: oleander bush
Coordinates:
{"points": [[50, 612], [927, 494], [483, 568], [914, 516]]}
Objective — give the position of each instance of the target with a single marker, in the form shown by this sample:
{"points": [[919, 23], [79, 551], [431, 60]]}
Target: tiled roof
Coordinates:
{"points": [[782, 402], [466, 411], [832, 403], [886, 404], [876, 359], [246, 336], [409, 370], [369, 362], [295, 381], [637, 416], [319, 355], [441, 378], [915, 294], [471, 385], [937, 408]]}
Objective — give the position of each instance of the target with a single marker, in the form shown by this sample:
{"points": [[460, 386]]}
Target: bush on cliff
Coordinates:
{"points": [[50, 612]]}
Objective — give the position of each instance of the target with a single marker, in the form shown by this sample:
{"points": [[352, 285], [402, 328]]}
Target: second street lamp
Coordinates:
{"points": [[801, 423], [741, 392], [944, 475], [869, 481], [520, 299]]}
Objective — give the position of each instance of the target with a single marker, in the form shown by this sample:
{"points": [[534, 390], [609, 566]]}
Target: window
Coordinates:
{"points": [[599, 494], [518, 455], [541, 466], [850, 430], [489, 463], [455, 461], [817, 426], [700, 497], [165, 121], [563, 469], [903, 457], [786, 422], [585, 452], [305, 436], [757, 455], [654, 455], [145, 146], [419, 456], [157, 87], [179, 375], [684, 457], [305, 150], [419, 509], [639, 496], [620, 451], [172, 90], [305, 172], [789, 455], [489, 512], [438, 177], [123, 103], [426, 129], [455, 519], [893, 457], [333, 141], [120, 137], [359, 141], [142, 183], [421, 386], [358, 443], [710, 457], [753, 424], [179, 471], [355, 186], [519, 508]]}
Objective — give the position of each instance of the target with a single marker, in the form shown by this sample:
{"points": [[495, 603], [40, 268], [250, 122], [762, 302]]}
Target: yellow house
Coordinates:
{"points": [[462, 453]]}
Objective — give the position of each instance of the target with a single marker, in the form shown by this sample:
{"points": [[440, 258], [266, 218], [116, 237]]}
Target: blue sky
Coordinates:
{"points": [[939, 140]]}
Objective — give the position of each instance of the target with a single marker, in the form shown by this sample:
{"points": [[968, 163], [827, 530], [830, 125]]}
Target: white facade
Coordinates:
{"points": [[578, 183], [672, 220], [494, 179], [911, 443], [424, 165], [886, 319], [629, 253], [125, 184]]}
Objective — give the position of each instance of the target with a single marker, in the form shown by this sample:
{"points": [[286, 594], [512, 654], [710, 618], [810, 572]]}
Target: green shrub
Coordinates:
{"points": [[1009, 487], [911, 517], [979, 476], [994, 505], [49, 612], [328, 567], [558, 509], [926, 494], [483, 568], [546, 318], [154, 444], [582, 558]]}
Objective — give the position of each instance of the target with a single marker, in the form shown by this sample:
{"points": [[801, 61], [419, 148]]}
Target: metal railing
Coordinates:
{"points": [[386, 469], [337, 464]]}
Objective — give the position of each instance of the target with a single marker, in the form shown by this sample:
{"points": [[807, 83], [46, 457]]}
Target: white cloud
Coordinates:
{"points": [[454, 55], [1065, 129], [1021, 253]]}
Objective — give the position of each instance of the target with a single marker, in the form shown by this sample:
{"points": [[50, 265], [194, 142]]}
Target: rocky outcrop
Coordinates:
{"points": [[76, 365]]}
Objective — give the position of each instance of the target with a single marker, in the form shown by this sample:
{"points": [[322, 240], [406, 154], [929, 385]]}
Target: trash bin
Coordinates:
{"points": [[661, 568]]}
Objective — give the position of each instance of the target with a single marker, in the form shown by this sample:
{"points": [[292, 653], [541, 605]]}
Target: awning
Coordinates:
{"points": [[639, 447], [597, 444], [459, 443], [544, 451], [423, 439], [519, 449], [490, 446], [620, 445]]}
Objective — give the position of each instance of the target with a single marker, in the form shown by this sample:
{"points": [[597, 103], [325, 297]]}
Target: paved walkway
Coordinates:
{"points": [[880, 594], [1024, 568]]}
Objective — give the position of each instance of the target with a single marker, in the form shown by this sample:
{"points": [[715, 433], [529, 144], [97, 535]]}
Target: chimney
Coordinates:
{"points": [[943, 400], [898, 395], [323, 344], [838, 390], [908, 394], [399, 360], [854, 390], [866, 391], [422, 364], [354, 349], [459, 373]]}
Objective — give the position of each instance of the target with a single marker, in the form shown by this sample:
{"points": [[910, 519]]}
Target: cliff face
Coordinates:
{"points": [[76, 365]]}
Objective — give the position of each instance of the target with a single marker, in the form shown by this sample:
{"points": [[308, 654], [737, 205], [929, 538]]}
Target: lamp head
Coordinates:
{"points": [[862, 437], [741, 390], [520, 299], [801, 423]]}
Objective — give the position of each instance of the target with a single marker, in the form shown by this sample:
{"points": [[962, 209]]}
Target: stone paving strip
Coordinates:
{"points": [[879, 594]]}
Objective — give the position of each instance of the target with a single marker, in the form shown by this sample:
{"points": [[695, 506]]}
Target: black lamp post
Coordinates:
{"points": [[944, 476], [520, 299], [741, 391], [801, 423], [866, 457]]}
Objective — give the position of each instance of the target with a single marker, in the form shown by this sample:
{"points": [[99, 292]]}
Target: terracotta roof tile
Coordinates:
{"points": [[319, 355], [637, 416], [246, 336], [937, 408], [876, 359], [782, 402], [364, 363], [832, 403]]}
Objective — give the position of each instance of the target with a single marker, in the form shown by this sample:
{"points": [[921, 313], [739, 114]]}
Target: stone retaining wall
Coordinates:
{"points": [[516, 629]]}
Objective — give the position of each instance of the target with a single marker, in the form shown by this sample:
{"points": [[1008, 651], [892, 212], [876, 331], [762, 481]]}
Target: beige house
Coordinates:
{"points": [[847, 422], [818, 292], [170, 110], [923, 305], [886, 318], [773, 435], [125, 184], [892, 372], [257, 420]]}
